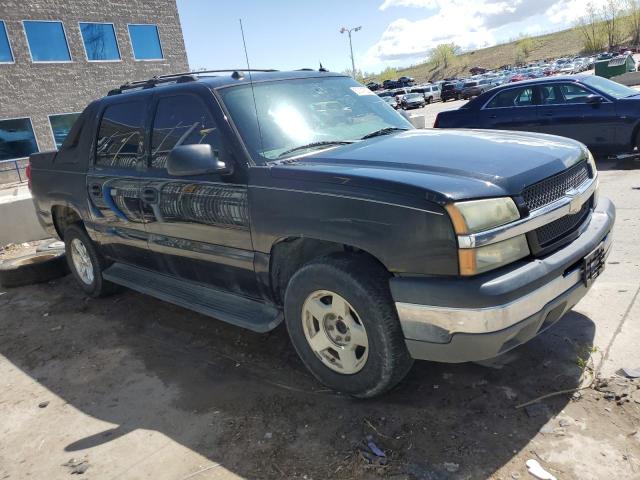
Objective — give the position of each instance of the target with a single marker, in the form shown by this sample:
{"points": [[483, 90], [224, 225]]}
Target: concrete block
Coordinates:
{"points": [[18, 220]]}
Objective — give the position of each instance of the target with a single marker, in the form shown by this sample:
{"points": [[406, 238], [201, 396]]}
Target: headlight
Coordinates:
{"points": [[482, 259], [478, 215]]}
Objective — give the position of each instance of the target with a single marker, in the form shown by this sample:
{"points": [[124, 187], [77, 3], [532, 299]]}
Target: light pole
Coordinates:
{"points": [[349, 30]]}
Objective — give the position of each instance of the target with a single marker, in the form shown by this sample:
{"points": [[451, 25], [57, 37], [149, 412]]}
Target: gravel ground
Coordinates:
{"points": [[131, 387]]}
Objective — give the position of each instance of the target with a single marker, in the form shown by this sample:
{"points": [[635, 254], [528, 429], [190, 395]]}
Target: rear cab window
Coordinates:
{"points": [[120, 135]]}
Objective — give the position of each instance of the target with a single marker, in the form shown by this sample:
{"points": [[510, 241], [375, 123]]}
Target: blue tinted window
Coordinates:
{"points": [[145, 42], [100, 41], [47, 41], [61, 126], [5, 49], [16, 139]]}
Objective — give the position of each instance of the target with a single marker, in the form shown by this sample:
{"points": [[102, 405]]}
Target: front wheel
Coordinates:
{"points": [[342, 322]]}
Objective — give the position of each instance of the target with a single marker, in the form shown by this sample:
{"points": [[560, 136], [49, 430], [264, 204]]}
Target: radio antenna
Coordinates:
{"points": [[253, 92]]}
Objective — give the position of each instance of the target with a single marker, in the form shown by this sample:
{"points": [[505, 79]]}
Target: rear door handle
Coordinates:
{"points": [[150, 195]]}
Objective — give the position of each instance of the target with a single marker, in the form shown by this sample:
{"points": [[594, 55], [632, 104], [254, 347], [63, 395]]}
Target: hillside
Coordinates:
{"points": [[552, 45]]}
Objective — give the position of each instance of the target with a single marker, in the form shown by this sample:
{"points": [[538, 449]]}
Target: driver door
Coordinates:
{"points": [[565, 111], [199, 225]]}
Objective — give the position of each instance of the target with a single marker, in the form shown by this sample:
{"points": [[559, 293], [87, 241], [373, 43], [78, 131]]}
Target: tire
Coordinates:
{"points": [[429, 100], [87, 266], [33, 268], [360, 286], [636, 141]]}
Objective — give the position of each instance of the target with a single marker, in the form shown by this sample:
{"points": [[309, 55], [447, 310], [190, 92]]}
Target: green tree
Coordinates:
{"points": [[633, 9], [611, 13], [526, 46], [444, 54], [388, 73], [590, 27], [520, 57]]}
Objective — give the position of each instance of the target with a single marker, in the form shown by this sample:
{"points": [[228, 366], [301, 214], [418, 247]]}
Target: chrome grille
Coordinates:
{"points": [[551, 232], [553, 188]]}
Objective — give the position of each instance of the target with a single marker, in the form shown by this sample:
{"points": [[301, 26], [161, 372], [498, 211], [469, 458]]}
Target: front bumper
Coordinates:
{"points": [[469, 319]]}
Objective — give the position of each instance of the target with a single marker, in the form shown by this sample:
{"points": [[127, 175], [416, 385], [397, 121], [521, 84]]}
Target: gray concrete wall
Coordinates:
{"points": [[18, 221], [37, 90]]}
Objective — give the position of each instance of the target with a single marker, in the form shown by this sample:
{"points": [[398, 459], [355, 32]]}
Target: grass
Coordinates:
{"points": [[550, 46]]}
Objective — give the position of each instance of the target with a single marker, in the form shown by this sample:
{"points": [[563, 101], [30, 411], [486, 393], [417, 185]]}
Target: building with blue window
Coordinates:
{"points": [[56, 57]]}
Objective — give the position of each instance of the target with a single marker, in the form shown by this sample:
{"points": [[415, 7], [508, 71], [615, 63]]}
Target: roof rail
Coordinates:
{"points": [[224, 70], [152, 82], [181, 77]]}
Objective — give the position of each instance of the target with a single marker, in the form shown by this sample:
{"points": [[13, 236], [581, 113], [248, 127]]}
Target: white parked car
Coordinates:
{"points": [[430, 91]]}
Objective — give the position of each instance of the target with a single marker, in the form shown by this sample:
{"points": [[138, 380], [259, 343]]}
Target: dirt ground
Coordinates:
{"points": [[129, 387]]}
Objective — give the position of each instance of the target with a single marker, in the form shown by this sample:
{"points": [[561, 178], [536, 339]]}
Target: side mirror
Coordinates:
{"points": [[594, 99], [196, 159]]}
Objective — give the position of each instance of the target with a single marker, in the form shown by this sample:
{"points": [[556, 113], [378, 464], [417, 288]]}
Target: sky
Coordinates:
{"points": [[292, 34]]}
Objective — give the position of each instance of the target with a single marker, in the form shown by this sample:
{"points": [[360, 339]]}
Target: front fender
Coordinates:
{"points": [[405, 237]]}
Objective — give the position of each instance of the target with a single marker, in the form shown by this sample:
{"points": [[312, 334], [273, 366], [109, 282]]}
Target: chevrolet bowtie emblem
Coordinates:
{"points": [[576, 202]]}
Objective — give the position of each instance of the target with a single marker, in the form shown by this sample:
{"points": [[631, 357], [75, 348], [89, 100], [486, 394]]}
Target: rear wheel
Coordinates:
{"points": [[86, 263], [343, 324]]}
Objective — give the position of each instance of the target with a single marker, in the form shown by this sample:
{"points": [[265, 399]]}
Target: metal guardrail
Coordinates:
{"points": [[14, 165]]}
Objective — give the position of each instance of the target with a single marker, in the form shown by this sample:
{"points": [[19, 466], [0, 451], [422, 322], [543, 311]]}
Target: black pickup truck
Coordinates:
{"points": [[263, 196]]}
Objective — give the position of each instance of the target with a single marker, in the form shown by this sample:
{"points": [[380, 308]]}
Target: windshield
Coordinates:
{"points": [[470, 84], [297, 112], [609, 87]]}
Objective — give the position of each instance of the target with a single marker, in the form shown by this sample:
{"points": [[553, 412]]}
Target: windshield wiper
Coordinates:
{"points": [[383, 131], [315, 144]]}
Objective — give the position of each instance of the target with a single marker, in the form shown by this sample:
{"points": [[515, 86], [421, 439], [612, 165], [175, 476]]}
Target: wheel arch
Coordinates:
{"points": [[291, 253], [634, 135], [63, 216]]}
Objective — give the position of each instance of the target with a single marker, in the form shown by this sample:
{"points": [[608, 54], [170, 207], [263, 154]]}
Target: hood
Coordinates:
{"points": [[444, 164]]}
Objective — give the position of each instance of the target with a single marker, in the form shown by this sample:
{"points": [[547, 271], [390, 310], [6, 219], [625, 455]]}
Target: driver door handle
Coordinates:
{"points": [[96, 190]]}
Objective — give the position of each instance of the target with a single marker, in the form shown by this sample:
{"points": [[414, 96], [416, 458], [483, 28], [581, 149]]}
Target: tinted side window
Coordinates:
{"points": [[574, 93], [513, 97], [180, 120], [120, 135], [550, 95]]}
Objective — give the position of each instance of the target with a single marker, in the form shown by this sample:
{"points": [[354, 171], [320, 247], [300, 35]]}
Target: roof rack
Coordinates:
{"points": [[152, 82], [181, 77], [191, 76]]}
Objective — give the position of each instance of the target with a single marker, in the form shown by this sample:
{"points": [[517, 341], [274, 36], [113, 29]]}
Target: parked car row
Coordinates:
{"points": [[484, 80], [411, 97]]}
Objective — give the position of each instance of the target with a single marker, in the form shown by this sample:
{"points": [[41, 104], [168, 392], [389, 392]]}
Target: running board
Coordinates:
{"points": [[230, 308]]}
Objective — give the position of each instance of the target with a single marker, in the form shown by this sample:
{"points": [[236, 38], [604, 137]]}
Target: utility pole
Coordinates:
{"points": [[353, 63]]}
